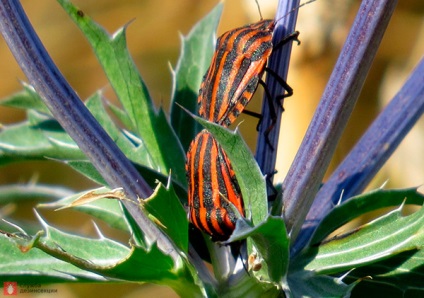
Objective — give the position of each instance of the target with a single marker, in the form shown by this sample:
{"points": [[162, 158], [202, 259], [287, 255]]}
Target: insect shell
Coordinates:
{"points": [[212, 188], [237, 66]]}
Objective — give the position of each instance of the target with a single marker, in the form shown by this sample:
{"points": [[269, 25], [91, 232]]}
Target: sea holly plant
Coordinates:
{"points": [[139, 168]]}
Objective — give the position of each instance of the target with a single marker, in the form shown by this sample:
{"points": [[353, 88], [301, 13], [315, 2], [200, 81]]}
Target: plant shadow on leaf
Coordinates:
{"points": [[49, 125], [385, 267]]}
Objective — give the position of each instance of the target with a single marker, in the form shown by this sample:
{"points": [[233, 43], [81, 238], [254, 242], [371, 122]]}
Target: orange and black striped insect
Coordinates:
{"points": [[214, 195], [236, 69]]}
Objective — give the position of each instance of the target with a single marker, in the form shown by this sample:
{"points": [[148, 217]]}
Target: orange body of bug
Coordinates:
{"points": [[237, 66], [212, 188]]}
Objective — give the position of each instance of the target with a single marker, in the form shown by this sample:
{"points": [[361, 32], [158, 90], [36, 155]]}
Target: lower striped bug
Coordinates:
{"points": [[214, 196]]}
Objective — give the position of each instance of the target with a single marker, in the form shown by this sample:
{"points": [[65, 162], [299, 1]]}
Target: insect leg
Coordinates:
{"points": [[291, 37], [282, 82], [272, 112]]}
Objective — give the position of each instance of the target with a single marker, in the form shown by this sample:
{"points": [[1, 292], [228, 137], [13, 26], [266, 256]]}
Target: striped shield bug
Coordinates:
{"points": [[236, 70], [214, 196]]}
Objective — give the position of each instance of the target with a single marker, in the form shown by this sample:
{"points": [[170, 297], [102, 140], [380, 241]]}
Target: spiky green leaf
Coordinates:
{"points": [[170, 215], [360, 205], [26, 99], [111, 50], [196, 53], [107, 210], [378, 240]]}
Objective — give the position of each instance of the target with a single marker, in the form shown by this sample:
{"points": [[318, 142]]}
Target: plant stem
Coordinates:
{"points": [[74, 117], [279, 62], [370, 153], [339, 98]]}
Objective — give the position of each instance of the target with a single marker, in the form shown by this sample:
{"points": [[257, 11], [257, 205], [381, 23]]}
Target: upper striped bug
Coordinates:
{"points": [[214, 195], [236, 70]]}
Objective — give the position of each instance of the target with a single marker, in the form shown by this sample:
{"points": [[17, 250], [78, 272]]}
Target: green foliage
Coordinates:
{"points": [[105, 209], [270, 241], [403, 271], [308, 284], [159, 140], [382, 238], [102, 256], [360, 205], [38, 266], [165, 207], [196, 54], [384, 250]]}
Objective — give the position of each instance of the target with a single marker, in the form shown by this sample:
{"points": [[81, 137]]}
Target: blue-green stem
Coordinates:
{"points": [[370, 153], [279, 62], [311, 162]]}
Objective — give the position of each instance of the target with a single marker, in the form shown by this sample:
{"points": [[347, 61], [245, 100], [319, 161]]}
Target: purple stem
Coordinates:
{"points": [[279, 62], [370, 153], [74, 117], [311, 162]]}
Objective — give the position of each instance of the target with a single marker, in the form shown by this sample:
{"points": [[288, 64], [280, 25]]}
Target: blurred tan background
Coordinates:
{"points": [[153, 39]]}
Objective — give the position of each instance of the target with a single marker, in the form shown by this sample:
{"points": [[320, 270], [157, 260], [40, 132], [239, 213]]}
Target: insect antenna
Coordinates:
{"points": [[259, 9], [293, 10]]}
